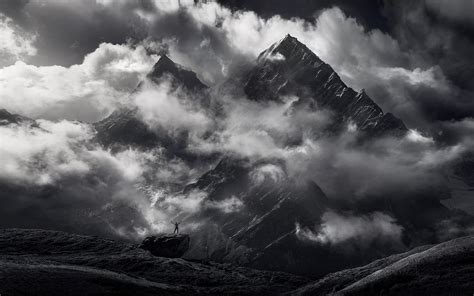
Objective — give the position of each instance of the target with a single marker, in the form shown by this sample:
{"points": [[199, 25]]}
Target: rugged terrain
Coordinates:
{"points": [[41, 262], [262, 233]]}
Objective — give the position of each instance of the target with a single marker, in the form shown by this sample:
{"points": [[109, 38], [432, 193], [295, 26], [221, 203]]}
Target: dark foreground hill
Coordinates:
{"points": [[443, 269], [40, 262]]}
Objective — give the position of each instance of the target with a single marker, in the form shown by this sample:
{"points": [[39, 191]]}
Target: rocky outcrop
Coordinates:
{"points": [[166, 245]]}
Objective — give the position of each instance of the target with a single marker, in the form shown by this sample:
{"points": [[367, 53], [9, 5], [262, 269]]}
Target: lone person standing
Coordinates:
{"points": [[176, 227]]}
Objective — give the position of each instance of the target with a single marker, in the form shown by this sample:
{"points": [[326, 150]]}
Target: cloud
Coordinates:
{"points": [[173, 110], [435, 35], [85, 92], [54, 176], [17, 44], [135, 191], [459, 11], [267, 172], [363, 230], [216, 41], [228, 205]]}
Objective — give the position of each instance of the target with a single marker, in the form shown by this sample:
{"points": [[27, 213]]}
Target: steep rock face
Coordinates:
{"points": [[288, 67], [264, 223], [181, 76], [166, 245]]}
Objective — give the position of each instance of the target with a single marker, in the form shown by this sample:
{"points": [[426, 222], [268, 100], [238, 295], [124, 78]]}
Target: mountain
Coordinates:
{"points": [[288, 67], [443, 269], [42, 262], [254, 208], [263, 234], [265, 224], [7, 118], [165, 67], [124, 127]]}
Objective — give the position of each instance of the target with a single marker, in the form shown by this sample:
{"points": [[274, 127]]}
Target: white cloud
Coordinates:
{"points": [[416, 136], [86, 92], [228, 205], [267, 172], [336, 228], [43, 155], [16, 44], [161, 106]]}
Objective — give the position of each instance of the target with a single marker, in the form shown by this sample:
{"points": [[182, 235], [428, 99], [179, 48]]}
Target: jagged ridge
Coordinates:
{"points": [[289, 67]]}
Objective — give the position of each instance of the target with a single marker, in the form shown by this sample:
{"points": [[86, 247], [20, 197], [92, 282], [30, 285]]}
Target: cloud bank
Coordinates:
{"points": [[363, 230]]}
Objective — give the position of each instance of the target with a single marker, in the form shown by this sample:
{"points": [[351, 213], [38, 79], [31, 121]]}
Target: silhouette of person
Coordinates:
{"points": [[176, 227]]}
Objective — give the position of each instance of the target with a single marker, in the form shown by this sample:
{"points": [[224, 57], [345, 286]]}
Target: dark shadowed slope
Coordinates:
{"points": [[7, 118], [443, 269], [183, 77], [288, 67], [39, 262]]}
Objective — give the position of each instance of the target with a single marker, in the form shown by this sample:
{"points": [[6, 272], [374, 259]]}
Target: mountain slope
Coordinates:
{"points": [[7, 118], [288, 67], [443, 269], [44, 262], [262, 230]]}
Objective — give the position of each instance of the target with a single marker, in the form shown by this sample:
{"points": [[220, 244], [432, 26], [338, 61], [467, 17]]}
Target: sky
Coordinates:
{"points": [[70, 63], [414, 59]]}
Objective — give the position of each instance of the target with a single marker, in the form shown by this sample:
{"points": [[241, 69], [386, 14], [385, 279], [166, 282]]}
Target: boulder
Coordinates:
{"points": [[166, 245]]}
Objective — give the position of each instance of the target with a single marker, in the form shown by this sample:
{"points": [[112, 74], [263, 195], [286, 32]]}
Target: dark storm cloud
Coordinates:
{"points": [[439, 33], [410, 72], [367, 12], [69, 30]]}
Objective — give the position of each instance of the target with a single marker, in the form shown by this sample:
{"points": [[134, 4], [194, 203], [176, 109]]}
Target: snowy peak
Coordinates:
{"points": [[187, 78], [290, 49]]}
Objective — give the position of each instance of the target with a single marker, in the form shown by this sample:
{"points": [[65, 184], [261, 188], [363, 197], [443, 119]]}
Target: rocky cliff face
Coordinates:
{"points": [[288, 67], [166, 245]]}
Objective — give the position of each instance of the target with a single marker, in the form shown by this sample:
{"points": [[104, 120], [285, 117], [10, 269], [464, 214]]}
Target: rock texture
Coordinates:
{"points": [[266, 223], [288, 67], [166, 245]]}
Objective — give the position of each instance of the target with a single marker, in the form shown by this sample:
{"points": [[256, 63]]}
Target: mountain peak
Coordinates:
{"points": [[165, 66], [289, 48], [288, 67]]}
